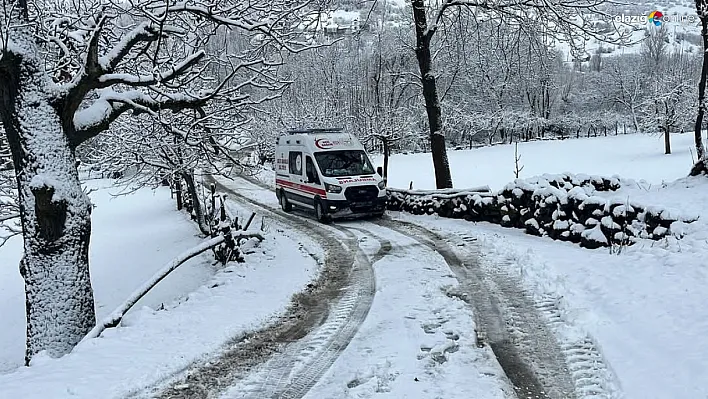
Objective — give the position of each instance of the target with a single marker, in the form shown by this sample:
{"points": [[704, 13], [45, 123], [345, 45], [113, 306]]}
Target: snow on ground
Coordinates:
{"points": [[416, 342], [645, 307], [201, 309], [132, 236], [630, 156]]}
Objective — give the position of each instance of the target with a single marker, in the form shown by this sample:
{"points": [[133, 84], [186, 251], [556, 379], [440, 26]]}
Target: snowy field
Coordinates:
{"points": [[645, 308], [190, 313], [630, 156]]}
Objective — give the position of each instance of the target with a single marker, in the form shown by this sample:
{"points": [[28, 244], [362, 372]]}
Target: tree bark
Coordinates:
{"points": [[387, 152], [178, 191], [667, 140], [698, 137], [188, 177], [55, 211], [443, 178]]}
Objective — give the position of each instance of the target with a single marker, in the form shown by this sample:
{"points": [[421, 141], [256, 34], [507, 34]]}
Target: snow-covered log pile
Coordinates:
{"points": [[563, 207]]}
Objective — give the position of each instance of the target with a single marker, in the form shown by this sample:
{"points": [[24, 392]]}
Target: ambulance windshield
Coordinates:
{"points": [[344, 163]]}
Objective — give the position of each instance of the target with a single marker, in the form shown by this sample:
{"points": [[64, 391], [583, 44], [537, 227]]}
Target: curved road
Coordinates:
{"points": [[287, 358]]}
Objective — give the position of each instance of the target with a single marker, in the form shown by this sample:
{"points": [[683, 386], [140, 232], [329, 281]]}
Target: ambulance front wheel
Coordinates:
{"points": [[284, 203], [320, 213]]}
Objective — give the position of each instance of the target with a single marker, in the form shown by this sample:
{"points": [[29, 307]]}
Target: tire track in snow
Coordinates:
{"points": [[591, 375], [328, 313], [303, 363], [522, 342]]}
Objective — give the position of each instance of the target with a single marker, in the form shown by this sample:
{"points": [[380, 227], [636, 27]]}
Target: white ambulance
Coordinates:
{"points": [[328, 171]]}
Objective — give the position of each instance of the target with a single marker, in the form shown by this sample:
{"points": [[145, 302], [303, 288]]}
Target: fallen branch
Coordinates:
{"points": [[259, 236], [116, 316]]}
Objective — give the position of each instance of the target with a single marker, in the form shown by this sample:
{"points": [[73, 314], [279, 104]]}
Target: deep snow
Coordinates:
{"points": [[192, 313], [131, 237]]}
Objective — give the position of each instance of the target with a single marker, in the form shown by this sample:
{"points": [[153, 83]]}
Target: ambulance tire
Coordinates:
{"points": [[285, 205], [320, 214]]}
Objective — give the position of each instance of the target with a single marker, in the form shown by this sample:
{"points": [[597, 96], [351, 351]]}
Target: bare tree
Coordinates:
{"points": [[701, 166], [552, 21], [628, 87], [9, 207], [68, 70], [670, 101], [655, 45]]}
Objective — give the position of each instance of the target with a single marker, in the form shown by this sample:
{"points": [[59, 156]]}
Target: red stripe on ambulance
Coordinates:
{"points": [[302, 187]]}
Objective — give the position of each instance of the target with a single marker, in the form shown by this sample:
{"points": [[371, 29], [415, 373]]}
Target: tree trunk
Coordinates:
{"points": [[188, 177], [698, 137], [667, 140], [443, 179], [635, 121], [178, 191], [55, 211], [386, 153]]}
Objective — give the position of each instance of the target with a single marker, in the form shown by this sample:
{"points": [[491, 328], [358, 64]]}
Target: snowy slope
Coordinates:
{"points": [[204, 306], [681, 23], [679, 19], [132, 237]]}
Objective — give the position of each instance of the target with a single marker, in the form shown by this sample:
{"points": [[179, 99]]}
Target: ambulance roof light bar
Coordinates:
{"points": [[316, 131]]}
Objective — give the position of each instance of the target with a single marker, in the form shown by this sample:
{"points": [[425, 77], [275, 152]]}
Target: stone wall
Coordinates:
{"points": [[564, 207]]}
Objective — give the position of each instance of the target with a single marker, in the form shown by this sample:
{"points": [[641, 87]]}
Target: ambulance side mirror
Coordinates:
{"points": [[379, 170]]}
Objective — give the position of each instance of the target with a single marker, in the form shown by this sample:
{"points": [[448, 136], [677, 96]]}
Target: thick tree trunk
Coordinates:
{"points": [[55, 212], [188, 177], [700, 150], [443, 179]]}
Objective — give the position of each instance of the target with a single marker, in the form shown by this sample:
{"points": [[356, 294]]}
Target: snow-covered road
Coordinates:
{"points": [[416, 337]]}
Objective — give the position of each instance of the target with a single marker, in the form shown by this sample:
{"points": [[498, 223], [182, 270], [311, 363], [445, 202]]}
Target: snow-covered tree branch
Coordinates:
{"points": [[72, 70]]}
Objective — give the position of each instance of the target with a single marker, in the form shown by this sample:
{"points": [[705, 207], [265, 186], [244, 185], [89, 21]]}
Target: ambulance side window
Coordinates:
{"points": [[311, 171], [296, 163]]}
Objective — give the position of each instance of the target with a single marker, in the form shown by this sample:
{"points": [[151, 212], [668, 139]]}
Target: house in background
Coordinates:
{"points": [[333, 23]]}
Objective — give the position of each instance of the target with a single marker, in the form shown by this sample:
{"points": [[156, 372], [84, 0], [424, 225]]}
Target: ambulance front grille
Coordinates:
{"points": [[361, 193]]}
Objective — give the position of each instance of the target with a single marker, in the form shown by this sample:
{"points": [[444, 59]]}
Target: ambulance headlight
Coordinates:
{"points": [[382, 185], [333, 188]]}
